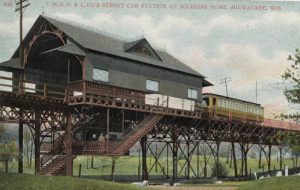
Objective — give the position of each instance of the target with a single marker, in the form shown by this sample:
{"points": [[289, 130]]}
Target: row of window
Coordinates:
{"points": [[151, 85], [239, 107]]}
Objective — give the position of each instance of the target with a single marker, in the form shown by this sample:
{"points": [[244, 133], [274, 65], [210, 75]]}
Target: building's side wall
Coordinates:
{"points": [[133, 75]]}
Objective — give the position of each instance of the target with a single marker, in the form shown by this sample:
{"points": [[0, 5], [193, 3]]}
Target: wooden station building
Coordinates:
{"points": [[58, 52]]}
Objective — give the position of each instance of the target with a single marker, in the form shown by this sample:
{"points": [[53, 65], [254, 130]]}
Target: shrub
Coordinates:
{"points": [[219, 170]]}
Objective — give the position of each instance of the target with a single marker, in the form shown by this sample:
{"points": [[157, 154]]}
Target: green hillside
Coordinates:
{"points": [[274, 183], [32, 182]]}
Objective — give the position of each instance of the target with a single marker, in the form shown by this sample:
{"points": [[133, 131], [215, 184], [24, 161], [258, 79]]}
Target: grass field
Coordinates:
{"points": [[128, 165], [274, 183], [32, 182]]}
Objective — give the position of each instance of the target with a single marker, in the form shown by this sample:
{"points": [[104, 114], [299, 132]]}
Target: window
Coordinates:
{"points": [[30, 87], [152, 85], [192, 93], [101, 75], [6, 85], [205, 101]]}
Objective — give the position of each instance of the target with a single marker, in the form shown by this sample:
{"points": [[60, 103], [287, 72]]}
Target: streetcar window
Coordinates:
{"points": [[214, 101], [205, 102], [223, 104]]}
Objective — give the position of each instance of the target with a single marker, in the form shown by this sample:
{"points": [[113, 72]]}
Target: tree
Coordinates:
{"points": [[29, 147], [292, 76], [292, 93], [7, 153]]}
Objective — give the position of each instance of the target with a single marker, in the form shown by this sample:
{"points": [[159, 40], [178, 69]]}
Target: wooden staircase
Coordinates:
{"points": [[136, 134], [54, 167], [53, 162]]}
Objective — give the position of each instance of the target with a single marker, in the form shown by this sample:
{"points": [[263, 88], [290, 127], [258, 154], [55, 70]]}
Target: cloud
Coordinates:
{"points": [[12, 28], [245, 65]]}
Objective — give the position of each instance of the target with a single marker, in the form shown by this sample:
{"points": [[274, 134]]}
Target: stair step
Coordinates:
{"points": [[137, 133]]}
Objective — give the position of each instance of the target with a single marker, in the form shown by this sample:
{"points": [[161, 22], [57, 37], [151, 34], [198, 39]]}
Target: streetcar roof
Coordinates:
{"points": [[235, 99]]}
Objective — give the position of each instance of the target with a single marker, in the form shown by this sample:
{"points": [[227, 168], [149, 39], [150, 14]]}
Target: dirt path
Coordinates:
{"points": [[194, 188]]}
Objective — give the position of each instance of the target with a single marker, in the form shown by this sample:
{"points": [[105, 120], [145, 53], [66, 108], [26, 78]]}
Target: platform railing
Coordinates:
{"points": [[83, 89], [44, 90]]}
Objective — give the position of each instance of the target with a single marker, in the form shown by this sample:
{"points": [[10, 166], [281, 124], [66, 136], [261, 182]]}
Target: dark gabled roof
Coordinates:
{"points": [[12, 64], [68, 48], [128, 47], [105, 44]]}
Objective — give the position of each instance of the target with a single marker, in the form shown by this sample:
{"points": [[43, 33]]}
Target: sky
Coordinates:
{"points": [[247, 41]]}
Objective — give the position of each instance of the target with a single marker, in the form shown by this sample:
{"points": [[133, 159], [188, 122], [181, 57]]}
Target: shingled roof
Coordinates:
{"points": [[101, 43]]}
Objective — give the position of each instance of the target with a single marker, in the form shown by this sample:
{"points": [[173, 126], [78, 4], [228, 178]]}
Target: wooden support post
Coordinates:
{"points": [[79, 171], [167, 101], [198, 160], [175, 159], [246, 161], [269, 158], [167, 160], [188, 159], [123, 121], [107, 129], [45, 95], [21, 84], [69, 154], [66, 98], [145, 175], [280, 157], [234, 160], [156, 158], [242, 160], [259, 158], [218, 143], [37, 135], [84, 88], [139, 166], [20, 159]]}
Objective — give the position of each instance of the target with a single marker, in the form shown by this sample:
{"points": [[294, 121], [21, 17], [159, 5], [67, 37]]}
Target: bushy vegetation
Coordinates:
{"points": [[219, 170]]}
